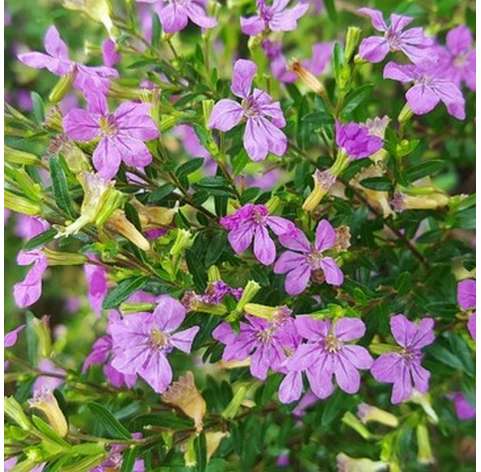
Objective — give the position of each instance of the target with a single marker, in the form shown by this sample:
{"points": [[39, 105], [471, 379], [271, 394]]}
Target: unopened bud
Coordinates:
{"points": [[61, 88], [402, 201], [21, 204], [273, 204], [213, 274], [277, 314], [15, 156], [167, 122], [98, 10], [182, 242], [129, 308], [60, 258], [207, 106], [351, 464], [42, 330], [323, 181], [184, 395], [425, 453], [353, 422], [249, 292], [15, 412], [213, 439], [367, 413], [154, 216], [119, 223], [424, 400], [308, 78], [353, 36], [45, 401], [405, 114], [233, 407]]}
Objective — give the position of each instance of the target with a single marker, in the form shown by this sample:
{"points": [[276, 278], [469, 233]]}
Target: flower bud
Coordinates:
{"points": [[119, 223], [21, 204], [425, 453], [61, 88], [130, 308], [402, 201], [59, 258], [213, 274], [367, 413], [232, 408], [353, 36], [323, 181], [42, 331], [182, 242], [207, 106], [153, 217], [75, 158], [273, 204], [351, 464], [14, 411], [308, 78], [353, 422], [15, 156], [167, 122], [45, 402], [98, 10], [213, 439], [424, 400], [405, 114], [184, 395], [249, 292], [190, 457], [194, 302]]}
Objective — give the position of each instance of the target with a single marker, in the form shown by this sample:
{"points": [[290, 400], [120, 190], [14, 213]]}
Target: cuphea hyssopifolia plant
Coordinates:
{"points": [[259, 244]]}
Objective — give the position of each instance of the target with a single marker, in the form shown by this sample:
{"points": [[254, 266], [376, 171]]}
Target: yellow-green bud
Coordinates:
{"points": [[45, 402], [120, 224], [59, 258], [425, 453], [405, 114], [15, 156], [21, 204], [213, 274], [353, 422], [273, 204], [14, 411], [367, 413], [182, 242], [61, 88], [353, 36], [232, 408], [207, 106], [42, 330], [249, 292], [362, 464]]}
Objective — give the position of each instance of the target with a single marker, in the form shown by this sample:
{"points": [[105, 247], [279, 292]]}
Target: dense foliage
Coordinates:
{"points": [[239, 235]]}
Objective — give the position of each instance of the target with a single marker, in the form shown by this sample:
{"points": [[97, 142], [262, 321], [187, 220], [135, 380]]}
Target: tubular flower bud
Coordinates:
{"points": [[120, 224], [351, 464], [61, 88], [15, 156], [213, 439], [213, 274], [353, 36], [42, 330], [45, 401], [402, 201], [353, 422], [323, 181], [405, 114], [14, 411], [21, 204], [275, 313], [424, 401], [308, 78], [248, 294], [425, 453], [232, 408], [184, 394], [194, 302], [101, 199], [367, 413], [153, 217], [59, 258], [182, 241]]}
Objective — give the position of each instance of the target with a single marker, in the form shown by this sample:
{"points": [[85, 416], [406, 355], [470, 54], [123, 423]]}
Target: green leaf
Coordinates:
{"points": [[40, 239], [156, 31], [424, 169], [356, 98], [112, 426], [239, 161], [38, 107], [128, 459], [381, 184], [200, 447], [123, 290], [47, 430], [331, 9], [160, 193], [60, 187], [189, 167], [168, 419], [215, 248]]}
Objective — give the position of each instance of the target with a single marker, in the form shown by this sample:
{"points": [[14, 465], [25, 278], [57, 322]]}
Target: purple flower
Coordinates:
{"points": [[307, 400], [403, 368], [96, 277], [265, 181], [251, 222], [110, 54], [275, 17], [308, 258], [27, 227], [458, 58], [48, 382], [467, 301], [115, 459], [261, 135], [327, 354], [464, 409], [87, 79], [429, 88], [265, 342], [141, 342], [356, 140], [10, 338], [174, 15], [122, 133], [28, 291], [321, 55], [411, 42]]}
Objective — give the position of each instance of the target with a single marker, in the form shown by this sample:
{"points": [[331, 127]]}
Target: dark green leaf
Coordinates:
{"points": [[40, 239], [160, 193], [381, 184], [200, 447], [112, 426], [38, 107], [424, 169], [189, 167], [60, 187], [356, 98], [122, 291]]}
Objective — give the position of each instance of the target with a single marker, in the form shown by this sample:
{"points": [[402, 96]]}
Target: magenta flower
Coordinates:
{"points": [[458, 58], [464, 410], [48, 382], [251, 222], [28, 291], [115, 459], [88, 79], [356, 140], [429, 88], [11, 337], [110, 55], [265, 342], [327, 354], [142, 342], [122, 133], [321, 55], [96, 277], [27, 227], [274, 18], [467, 301], [403, 368], [261, 135], [307, 258], [411, 42], [174, 15]]}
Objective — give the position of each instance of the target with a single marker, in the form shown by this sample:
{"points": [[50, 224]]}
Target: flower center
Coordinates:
{"points": [[265, 336], [393, 40], [314, 259], [460, 60], [158, 338], [107, 126], [332, 344]]}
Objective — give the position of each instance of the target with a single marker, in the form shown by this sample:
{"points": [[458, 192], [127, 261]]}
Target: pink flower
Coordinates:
{"points": [[467, 301], [122, 133], [10, 338], [96, 277], [263, 117], [464, 410], [28, 291], [304, 258], [356, 140], [251, 223], [403, 368]]}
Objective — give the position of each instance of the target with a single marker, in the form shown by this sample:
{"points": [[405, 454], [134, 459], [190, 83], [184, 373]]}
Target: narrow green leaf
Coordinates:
{"points": [[189, 167], [331, 9], [424, 169], [200, 452], [40, 239], [356, 98], [121, 292], [111, 425], [60, 187], [38, 107], [381, 184], [156, 31], [160, 193], [128, 459]]}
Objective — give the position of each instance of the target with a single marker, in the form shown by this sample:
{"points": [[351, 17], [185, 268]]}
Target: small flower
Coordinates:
{"points": [[274, 18], [411, 42], [27, 227], [96, 277], [110, 54], [87, 79], [263, 116], [250, 223], [142, 342], [403, 368], [11, 337], [122, 133], [45, 401], [467, 301], [266, 342], [327, 354], [174, 14], [362, 464], [27, 292], [430, 87], [307, 258], [357, 140], [184, 394], [464, 410]]}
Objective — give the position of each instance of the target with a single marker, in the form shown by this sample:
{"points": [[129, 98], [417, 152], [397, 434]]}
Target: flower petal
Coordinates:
{"points": [[81, 125], [255, 140], [349, 329], [374, 48], [325, 236], [332, 272], [198, 16], [106, 158], [182, 340], [169, 313], [376, 16], [421, 99], [225, 115], [252, 25], [156, 371], [297, 279], [242, 77], [264, 247], [290, 388]]}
